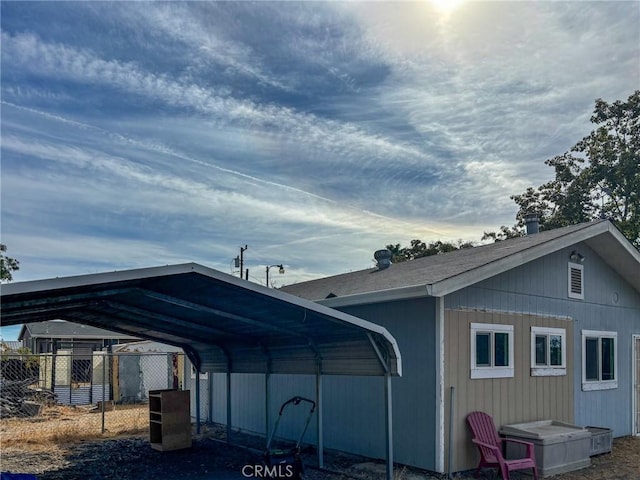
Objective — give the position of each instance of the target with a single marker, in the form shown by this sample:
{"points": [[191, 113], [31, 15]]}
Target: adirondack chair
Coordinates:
{"points": [[486, 438]]}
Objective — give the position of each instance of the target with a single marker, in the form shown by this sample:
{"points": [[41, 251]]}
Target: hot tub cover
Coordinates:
{"points": [[545, 431]]}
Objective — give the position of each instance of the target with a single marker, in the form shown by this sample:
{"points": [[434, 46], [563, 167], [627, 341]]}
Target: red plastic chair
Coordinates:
{"points": [[486, 438]]}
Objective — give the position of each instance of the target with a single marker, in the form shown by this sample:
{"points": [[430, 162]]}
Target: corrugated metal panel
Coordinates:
{"points": [[81, 395], [247, 393], [63, 394], [212, 315], [100, 393]]}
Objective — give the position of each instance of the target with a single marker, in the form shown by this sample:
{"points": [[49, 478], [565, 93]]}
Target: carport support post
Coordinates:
{"points": [[267, 402], [229, 405], [198, 400], [388, 410], [319, 417]]}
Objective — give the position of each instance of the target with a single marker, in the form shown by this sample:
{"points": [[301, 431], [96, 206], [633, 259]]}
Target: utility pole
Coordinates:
{"points": [[242, 250]]}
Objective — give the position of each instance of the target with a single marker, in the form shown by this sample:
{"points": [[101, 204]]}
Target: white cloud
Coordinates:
{"points": [[311, 132]]}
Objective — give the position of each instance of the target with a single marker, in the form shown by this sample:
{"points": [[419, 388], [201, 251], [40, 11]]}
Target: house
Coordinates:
{"points": [[545, 326], [54, 335], [10, 346], [70, 356]]}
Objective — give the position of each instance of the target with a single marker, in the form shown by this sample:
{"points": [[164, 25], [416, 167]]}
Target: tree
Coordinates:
{"points": [[599, 177], [420, 249], [504, 234], [7, 265]]}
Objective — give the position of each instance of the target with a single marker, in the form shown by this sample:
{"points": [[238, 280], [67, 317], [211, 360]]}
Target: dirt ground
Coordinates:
{"points": [[133, 459], [61, 445]]}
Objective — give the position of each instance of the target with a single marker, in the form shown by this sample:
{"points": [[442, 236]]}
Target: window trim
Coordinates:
{"points": [[548, 370], [571, 294], [589, 385], [478, 372]]}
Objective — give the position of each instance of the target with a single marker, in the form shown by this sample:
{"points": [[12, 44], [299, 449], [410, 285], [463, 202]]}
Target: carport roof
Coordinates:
{"points": [[222, 322]]}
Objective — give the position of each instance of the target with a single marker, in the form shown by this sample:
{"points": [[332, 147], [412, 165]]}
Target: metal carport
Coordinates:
{"points": [[223, 323]]}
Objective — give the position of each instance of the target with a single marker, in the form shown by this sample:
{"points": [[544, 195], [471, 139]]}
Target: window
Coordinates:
{"points": [[599, 360], [548, 351], [491, 350], [576, 281]]}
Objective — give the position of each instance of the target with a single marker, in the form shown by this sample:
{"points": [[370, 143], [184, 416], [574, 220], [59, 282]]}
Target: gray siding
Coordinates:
{"points": [[540, 288], [415, 406]]}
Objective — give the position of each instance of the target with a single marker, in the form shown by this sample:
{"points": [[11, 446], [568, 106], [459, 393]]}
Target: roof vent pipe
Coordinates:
{"points": [[532, 223], [383, 257]]}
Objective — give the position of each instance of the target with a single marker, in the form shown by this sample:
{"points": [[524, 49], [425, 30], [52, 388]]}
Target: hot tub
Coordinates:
{"points": [[559, 447]]}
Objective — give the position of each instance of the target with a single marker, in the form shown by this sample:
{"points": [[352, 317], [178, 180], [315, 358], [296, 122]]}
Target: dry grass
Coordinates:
{"points": [[62, 425]]}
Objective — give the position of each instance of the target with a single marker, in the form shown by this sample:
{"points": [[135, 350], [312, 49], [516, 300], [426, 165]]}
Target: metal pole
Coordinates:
{"points": [[267, 402], [197, 400], [451, 404], [388, 407], [319, 417], [242, 259], [268, 276], [228, 406], [210, 395], [104, 368]]}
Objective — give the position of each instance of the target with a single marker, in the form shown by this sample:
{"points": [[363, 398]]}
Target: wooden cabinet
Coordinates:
{"points": [[169, 419]]}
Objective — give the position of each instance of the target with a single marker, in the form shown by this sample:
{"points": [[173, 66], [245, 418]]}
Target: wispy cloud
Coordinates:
{"points": [[303, 130]]}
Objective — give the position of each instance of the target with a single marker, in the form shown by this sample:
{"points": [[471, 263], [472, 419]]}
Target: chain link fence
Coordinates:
{"points": [[66, 396]]}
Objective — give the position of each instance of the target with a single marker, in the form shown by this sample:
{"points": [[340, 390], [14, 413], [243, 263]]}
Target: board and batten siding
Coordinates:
{"points": [[522, 398], [610, 303]]}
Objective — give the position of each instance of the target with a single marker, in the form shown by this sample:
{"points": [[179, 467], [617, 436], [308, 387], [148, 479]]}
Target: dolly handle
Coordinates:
{"points": [[296, 401]]}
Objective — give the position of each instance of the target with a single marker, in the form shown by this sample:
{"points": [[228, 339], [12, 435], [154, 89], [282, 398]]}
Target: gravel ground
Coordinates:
{"points": [[134, 459]]}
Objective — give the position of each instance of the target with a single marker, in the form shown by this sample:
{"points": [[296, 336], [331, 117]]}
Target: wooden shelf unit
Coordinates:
{"points": [[169, 419]]}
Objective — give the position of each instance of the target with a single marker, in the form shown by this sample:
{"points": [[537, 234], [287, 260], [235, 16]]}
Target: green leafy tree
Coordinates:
{"points": [[504, 233], [598, 178], [418, 249], [7, 265]]}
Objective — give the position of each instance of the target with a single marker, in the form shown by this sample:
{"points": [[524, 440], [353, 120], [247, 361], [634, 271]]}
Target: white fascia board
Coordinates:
{"points": [[402, 293], [624, 242]]}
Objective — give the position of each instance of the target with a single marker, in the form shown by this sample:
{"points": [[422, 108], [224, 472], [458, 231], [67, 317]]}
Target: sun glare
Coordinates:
{"points": [[446, 6]]}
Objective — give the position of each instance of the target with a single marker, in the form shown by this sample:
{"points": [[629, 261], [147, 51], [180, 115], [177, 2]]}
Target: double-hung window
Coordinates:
{"points": [[491, 350], [599, 360], [548, 351]]}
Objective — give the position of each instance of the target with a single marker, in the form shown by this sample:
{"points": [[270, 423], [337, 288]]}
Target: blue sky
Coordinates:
{"points": [[138, 134]]}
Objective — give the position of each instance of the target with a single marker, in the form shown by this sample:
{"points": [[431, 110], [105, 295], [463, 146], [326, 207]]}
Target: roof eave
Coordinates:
{"points": [[402, 293], [110, 336]]}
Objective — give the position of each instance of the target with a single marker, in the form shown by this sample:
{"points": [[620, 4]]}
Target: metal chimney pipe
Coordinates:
{"points": [[532, 223]]}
